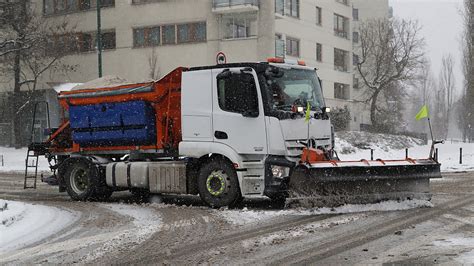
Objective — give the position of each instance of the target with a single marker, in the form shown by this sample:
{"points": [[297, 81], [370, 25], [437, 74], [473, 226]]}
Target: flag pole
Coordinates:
{"points": [[432, 140], [431, 130]]}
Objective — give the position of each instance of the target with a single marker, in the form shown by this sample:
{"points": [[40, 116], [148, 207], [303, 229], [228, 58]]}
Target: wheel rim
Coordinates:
{"points": [[216, 183], [79, 180]]}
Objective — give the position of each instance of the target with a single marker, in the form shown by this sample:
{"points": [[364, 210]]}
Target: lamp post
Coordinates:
{"points": [[99, 39]]}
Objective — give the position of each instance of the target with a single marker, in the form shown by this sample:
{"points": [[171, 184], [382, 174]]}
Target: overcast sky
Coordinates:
{"points": [[442, 28]]}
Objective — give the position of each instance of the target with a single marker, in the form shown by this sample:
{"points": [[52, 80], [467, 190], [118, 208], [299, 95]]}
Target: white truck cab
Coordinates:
{"points": [[254, 115]]}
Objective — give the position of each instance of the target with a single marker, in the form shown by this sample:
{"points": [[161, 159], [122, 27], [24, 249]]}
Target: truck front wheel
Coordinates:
{"points": [[218, 184]]}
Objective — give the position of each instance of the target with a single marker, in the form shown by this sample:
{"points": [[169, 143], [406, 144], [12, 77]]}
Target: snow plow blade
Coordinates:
{"points": [[335, 183]]}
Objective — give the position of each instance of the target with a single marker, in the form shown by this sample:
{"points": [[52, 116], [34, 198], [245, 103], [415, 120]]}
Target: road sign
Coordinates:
{"points": [[221, 58]]}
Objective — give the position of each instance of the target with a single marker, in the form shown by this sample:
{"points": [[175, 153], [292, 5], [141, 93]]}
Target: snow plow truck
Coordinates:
{"points": [[225, 132]]}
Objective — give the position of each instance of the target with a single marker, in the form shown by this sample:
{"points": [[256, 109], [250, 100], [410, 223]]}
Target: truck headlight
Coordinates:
{"points": [[280, 171]]}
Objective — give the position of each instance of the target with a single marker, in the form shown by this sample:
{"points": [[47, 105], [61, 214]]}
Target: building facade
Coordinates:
{"points": [[145, 39]]}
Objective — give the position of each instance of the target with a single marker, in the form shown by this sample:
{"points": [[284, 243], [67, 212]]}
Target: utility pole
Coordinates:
{"points": [[99, 38]]}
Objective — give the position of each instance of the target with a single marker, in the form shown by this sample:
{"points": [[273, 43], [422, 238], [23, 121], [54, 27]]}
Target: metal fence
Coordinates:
{"points": [[229, 3]]}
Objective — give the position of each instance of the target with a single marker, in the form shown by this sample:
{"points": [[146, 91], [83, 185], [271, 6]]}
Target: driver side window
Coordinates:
{"points": [[237, 93]]}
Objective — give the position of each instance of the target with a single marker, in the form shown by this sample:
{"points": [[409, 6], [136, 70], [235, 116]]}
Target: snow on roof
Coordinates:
{"points": [[103, 82], [65, 86]]}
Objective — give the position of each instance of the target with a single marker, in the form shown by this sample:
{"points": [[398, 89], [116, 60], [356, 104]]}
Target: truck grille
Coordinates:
{"points": [[295, 148]]}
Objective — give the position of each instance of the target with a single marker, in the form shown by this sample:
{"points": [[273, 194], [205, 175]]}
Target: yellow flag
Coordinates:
{"points": [[422, 113], [308, 112]]}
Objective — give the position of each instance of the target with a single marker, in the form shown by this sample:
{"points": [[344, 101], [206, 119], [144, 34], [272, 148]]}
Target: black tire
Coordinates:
{"points": [[143, 195], [278, 202], [83, 182], [218, 184]]}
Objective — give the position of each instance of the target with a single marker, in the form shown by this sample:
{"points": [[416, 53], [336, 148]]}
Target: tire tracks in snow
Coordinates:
{"points": [[182, 254], [325, 249]]}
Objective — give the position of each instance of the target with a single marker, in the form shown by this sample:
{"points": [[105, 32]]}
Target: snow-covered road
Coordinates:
{"points": [[124, 231]]}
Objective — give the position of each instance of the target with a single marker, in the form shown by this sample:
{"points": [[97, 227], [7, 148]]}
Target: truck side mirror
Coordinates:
{"points": [[226, 73]]}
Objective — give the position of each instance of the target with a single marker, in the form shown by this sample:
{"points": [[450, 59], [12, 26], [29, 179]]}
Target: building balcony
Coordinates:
{"points": [[234, 6]]}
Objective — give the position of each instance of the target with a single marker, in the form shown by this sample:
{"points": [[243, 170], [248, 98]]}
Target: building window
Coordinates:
{"points": [[293, 8], [319, 16], [345, 2], [292, 47], [355, 14], [355, 37], [192, 32], [280, 7], [86, 42], [166, 34], [53, 7], [340, 60], [240, 27], [169, 34], [341, 91], [279, 46], [341, 25], [83, 42], [319, 52], [355, 82], [237, 93], [355, 59], [145, 1], [147, 37], [108, 40]]}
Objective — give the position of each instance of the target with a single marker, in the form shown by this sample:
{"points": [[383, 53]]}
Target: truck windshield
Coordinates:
{"points": [[292, 87]]}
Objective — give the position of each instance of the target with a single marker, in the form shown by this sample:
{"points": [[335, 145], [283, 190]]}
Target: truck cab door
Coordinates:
{"points": [[238, 117]]}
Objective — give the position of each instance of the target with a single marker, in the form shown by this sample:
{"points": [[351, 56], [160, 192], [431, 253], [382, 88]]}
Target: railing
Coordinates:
{"points": [[341, 33], [230, 3]]}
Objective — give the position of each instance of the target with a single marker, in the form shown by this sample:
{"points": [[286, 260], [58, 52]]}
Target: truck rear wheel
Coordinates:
{"points": [[218, 184], [82, 182]]}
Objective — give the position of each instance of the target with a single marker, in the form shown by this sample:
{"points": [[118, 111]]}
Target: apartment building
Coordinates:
{"points": [[171, 33], [145, 39]]}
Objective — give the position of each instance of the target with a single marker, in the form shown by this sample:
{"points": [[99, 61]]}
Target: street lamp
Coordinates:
{"points": [[99, 38]]}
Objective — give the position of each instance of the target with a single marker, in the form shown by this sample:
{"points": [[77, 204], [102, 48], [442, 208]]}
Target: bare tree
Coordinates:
{"points": [[425, 83], [421, 93], [391, 53], [466, 109], [447, 84], [27, 51]]}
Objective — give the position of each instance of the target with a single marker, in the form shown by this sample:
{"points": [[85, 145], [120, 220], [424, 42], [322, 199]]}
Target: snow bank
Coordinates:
{"points": [[355, 145], [22, 223], [14, 160], [351, 141], [245, 216]]}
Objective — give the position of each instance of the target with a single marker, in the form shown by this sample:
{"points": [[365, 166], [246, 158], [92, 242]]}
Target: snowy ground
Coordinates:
{"points": [[245, 216], [22, 224], [356, 145], [14, 160]]}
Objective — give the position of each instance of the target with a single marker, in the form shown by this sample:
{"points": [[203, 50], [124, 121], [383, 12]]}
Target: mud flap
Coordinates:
{"points": [[335, 184]]}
